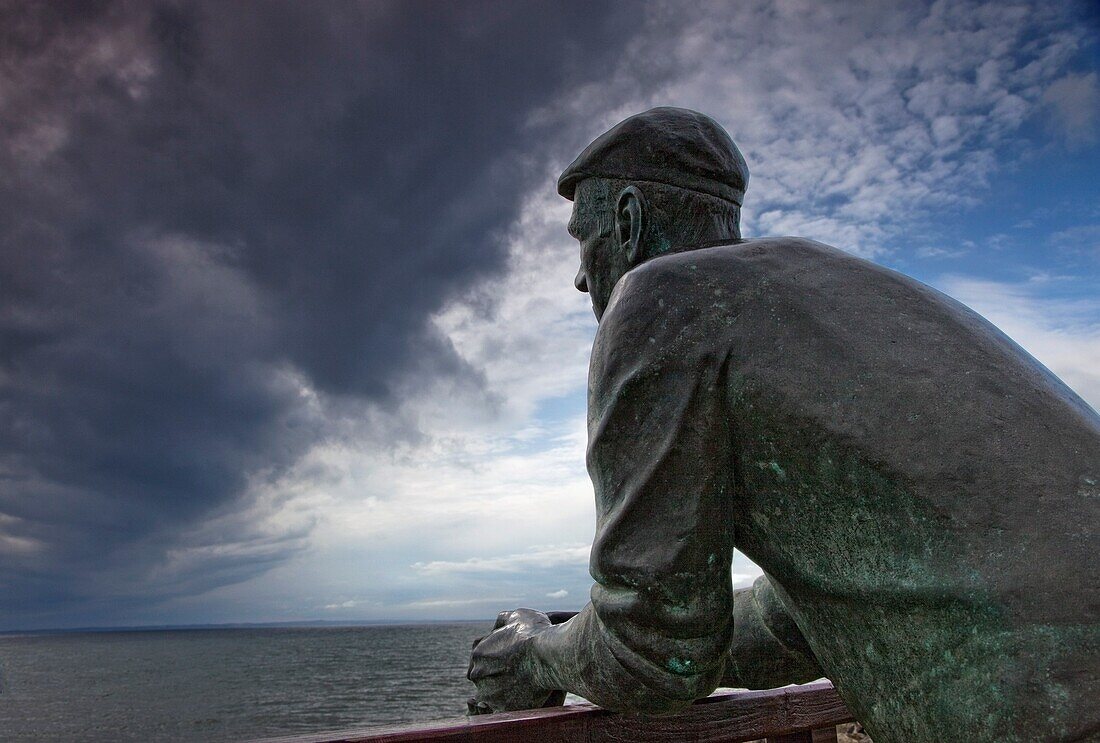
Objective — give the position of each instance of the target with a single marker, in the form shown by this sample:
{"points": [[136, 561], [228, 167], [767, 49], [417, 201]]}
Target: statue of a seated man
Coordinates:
{"points": [[922, 495]]}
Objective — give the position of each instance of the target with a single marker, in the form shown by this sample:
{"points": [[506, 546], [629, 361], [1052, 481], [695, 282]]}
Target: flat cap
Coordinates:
{"points": [[673, 146]]}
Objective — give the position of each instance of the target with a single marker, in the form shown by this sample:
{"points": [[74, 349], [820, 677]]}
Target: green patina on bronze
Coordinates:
{"points": [[870, 595], [684, 667]]}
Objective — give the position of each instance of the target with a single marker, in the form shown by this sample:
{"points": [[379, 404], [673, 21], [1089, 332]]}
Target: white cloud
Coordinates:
{"points": [[1080, 240], [533, 342], [15, 544], [541, 557], [452, 603], [343, 605], [938, 252], [1061, 332], [742, 580], [1074, 106], [559, 594], [12, 545]]}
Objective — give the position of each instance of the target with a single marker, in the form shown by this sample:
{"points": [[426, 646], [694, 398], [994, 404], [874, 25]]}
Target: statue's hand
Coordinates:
{"points": [[501, 666]]}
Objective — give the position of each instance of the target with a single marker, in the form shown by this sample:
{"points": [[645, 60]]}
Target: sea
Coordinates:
{"points": [[230, 684]]}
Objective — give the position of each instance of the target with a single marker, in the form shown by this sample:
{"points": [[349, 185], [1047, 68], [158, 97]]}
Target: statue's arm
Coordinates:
{"points": [[768, 649], [658, 629]]}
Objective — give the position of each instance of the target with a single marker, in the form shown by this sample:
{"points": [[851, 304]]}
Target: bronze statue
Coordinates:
{"points": [[922, 495]]}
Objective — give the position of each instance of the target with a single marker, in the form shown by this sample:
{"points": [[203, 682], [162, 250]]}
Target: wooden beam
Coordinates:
{"points": [[723, 717], [823, 735]]}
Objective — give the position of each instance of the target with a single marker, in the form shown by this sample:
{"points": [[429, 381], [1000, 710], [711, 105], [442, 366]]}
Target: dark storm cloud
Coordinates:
{"points": [[204, 209]]}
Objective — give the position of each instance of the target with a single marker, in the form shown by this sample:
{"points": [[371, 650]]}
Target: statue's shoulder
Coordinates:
{"points": [[795, 262], [807, 276], [678, 281], [784, 249], [741, 258]]}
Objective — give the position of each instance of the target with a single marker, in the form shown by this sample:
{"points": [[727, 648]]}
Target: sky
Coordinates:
{"points": [[287, 323]]}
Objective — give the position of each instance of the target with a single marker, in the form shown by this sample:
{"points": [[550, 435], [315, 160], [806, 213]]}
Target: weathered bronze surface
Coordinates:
{"points": [[923, 496]]}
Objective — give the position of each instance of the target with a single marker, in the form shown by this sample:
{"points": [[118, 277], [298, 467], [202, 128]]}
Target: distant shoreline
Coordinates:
{"points": [[304, 624]]}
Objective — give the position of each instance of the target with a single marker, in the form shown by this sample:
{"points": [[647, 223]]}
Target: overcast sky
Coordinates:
{"points": [[287, 324]]}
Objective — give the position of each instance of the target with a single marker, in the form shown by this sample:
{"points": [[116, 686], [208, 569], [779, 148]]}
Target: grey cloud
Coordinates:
{"points": [[222, 222], [211, 212], [1073, 102]]}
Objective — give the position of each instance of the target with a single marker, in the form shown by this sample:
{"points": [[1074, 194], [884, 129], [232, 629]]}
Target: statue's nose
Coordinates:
{"points": [[581, 282]]}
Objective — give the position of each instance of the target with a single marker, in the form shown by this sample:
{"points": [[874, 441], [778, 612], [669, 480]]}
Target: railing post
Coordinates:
{"points": [[825, 735], [806, 737]]}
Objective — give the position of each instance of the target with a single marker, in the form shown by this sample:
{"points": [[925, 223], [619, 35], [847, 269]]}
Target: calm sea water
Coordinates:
{"points": [[230, 684]]}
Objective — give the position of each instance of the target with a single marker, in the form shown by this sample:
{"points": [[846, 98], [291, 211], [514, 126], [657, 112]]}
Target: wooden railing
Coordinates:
{"points": [[794, 714]]}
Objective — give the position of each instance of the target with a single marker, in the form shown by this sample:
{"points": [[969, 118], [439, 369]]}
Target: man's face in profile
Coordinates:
{"points": [[603, 262]]}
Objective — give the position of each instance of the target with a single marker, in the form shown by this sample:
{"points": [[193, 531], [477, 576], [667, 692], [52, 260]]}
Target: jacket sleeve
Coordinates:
{"points": [[768, 648], [658, 629]]}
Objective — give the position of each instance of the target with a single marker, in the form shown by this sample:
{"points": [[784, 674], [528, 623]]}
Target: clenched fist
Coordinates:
{"points": [[504, 669]]}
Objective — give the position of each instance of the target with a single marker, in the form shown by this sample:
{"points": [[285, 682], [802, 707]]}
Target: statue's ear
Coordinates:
{"points": [[630, 216]]}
